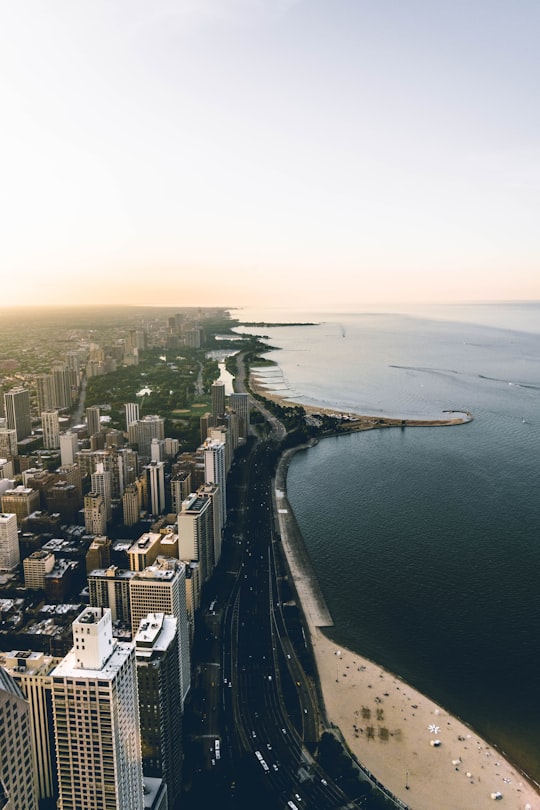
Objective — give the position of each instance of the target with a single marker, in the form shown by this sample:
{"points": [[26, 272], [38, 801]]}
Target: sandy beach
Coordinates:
{"points": [[427, 758]]}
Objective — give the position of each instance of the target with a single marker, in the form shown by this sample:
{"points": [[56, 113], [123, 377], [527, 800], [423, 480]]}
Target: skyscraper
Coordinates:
{"points": [[96, 719], [240, 404], [218, 398], [156, 480], [148, 428], [93, 420], [9, 542], [45, 392], [31, 671], [61, 386], [161, 588], [16, 755], [195, 533], [69, 445], [17, 405], [51, 429], [160, 706], [132, 413], [215, 471], [95, 514]]}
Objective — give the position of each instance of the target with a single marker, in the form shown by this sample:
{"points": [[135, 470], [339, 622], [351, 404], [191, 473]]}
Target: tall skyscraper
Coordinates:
{"points": [[95, 514], [240, 404], [215, 471], [8, 443], [32, 673], [17, 405], [69, 445], [96, 719], [148, 428], [9, 542], [61, 386], [45, 392], [160, 706], [218, 398], [101, 482], [93, 420], [161, 588], [16, 754], [156, 487], [51, 429], [132, 413], [196, 534]]}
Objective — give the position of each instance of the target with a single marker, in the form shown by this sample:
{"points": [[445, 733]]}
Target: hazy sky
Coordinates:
{"points": [[323, 153]]}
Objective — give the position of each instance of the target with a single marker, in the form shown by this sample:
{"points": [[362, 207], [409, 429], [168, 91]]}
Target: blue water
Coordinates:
{"points": [[426, 541]]}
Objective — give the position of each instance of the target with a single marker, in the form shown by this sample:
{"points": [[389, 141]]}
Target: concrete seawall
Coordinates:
{"points": [[306, 583]]}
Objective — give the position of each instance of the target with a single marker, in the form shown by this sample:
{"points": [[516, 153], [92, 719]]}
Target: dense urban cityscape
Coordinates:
{"points": [[152, 648]]}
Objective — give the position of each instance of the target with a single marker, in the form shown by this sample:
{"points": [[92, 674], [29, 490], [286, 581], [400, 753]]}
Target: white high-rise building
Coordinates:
{"points": [[132, 413], [9, 542], [69, 446], [156, 480], [161, 588], [101, 482], [51, 429], [215, 471], [96, 719]]}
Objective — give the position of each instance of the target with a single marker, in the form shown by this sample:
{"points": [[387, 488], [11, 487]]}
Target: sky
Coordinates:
{"points": [[321, 154]]}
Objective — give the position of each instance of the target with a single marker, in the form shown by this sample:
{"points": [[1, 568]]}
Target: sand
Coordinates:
{"points": [[422, 754], [391, 728]]}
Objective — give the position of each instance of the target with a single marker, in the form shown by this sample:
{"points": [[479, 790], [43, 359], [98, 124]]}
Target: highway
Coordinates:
{"points": [[250, 691]]}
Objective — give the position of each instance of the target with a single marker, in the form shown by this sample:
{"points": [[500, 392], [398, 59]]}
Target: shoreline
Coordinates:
{"points": [[421, 753]]}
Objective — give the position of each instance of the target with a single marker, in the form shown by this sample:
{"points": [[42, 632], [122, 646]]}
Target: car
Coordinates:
{"points": [[324, 782], [253, 735]]}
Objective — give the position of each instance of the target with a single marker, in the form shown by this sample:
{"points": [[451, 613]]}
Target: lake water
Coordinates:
{"points": [[426, 541]]}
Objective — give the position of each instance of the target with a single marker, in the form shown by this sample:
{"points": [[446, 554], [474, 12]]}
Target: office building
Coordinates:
{"points": [[161, 588], [8, 443], [51, 429], [215, 471], [155, 473], [158, 677], [36, 567], [240, 404], [96, 719], [144, 551], [17, 406], [109, 588], [69, 445], [218, 398], [62, 387], [45, 392], [101, 482], [22, 501], [93, 424], [9, 542], [148, 428], [99, 554], [180, 489], [131, 505], [132, 413], [196, 533], [6, 470], [95, 515], [16, 752], [31, 671]]}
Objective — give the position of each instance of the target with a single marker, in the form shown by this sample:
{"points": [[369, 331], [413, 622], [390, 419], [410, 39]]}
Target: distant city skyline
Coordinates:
{"points": [[245, 153]]}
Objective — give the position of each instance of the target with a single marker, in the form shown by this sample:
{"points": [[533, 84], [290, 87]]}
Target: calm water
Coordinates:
{"points": [[426, 541]]}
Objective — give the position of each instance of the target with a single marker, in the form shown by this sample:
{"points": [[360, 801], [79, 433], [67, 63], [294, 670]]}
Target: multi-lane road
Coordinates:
{"points": [[254, 697]]}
